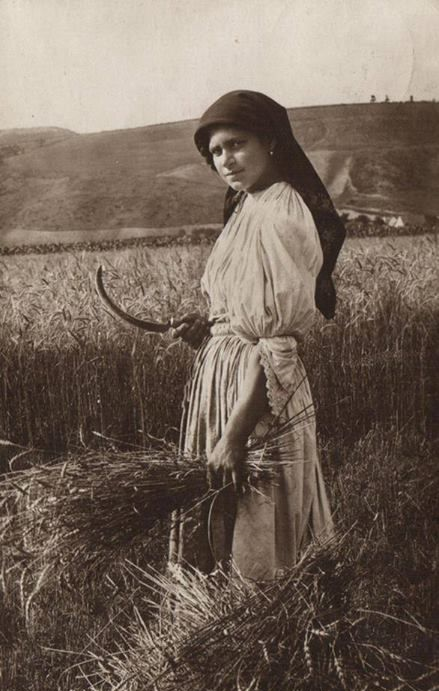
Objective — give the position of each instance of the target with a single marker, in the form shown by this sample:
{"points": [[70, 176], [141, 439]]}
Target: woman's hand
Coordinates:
{"points": [[191, 328], [226, 464]]}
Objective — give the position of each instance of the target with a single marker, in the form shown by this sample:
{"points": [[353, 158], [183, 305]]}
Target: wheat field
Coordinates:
{"points": [[73, 379], [68, 368]]}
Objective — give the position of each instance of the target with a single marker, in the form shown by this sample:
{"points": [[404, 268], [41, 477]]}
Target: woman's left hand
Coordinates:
{"points": [[226, 464]]}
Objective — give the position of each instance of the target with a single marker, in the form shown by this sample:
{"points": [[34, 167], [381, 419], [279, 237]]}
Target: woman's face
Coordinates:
{"points": [[242, 159]]}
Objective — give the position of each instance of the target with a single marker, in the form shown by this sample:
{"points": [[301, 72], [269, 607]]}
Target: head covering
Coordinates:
{"points": [[253, 111]]}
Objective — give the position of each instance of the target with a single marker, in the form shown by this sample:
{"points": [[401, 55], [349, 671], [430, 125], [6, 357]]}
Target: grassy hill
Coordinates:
{"points": [[378, 156]]}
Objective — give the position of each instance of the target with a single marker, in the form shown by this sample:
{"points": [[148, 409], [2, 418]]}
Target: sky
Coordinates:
{"points": [[91, 65]]}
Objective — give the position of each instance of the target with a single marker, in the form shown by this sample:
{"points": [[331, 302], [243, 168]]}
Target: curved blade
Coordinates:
{"points": [[145, 324]]}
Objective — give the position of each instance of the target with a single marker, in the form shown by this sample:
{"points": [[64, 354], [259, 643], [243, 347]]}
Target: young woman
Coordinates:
{"points": [[268, 270]]}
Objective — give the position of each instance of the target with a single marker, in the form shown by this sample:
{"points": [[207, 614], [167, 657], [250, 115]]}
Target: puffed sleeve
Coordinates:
{"points": [[273, 301], [273, 290]]}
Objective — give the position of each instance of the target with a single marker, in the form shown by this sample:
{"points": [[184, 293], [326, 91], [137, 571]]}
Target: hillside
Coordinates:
{"points": [[19, 141], [372, 156]]}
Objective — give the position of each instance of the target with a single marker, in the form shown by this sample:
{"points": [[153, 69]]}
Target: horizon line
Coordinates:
{"points": [[187, 120]]}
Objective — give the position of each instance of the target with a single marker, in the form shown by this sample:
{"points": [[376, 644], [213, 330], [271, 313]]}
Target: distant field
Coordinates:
{"points": [[46, 242], [27, 239]]}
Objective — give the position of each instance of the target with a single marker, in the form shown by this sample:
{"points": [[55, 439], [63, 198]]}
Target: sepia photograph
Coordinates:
{"points": [[219, 340]]}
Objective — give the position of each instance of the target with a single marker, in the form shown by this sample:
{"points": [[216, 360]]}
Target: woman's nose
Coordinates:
{"points": [[228, 158]]}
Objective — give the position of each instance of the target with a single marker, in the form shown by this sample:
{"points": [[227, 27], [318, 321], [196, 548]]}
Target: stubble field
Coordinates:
{"points": [[73, 379]]}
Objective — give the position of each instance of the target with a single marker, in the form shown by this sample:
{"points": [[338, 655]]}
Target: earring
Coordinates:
{"points": [[271, 152]]}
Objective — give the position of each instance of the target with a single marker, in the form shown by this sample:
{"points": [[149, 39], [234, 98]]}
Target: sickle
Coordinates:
{"points": [[145, 324]]}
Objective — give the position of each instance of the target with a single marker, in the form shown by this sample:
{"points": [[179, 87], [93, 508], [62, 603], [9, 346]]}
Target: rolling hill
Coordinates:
{"points": [[372, 156]]}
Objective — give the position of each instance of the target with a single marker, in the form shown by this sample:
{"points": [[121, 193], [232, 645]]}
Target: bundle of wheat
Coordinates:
{"points": [[99, 503]]}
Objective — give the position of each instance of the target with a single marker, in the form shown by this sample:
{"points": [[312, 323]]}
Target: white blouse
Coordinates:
{"points": [[261, 274]]}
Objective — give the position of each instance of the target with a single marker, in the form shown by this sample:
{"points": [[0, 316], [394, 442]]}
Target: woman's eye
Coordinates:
{"points": [[232, 145]]}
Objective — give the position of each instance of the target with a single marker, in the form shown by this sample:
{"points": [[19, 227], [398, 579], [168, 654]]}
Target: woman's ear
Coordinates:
{"points": [[273, 143]]}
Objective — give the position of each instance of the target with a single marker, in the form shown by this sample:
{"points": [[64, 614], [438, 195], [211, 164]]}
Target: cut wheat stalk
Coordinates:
{"points": [[222, 632]]}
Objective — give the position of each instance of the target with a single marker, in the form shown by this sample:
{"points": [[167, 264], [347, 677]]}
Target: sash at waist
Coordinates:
{"points": [[222, 328]]}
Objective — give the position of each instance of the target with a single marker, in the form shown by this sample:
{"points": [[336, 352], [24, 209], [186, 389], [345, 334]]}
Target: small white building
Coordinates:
{"points": [[396, 222]]}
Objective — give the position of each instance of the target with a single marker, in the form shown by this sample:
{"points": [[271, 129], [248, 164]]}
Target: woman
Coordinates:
{"points": [[269, 268]]}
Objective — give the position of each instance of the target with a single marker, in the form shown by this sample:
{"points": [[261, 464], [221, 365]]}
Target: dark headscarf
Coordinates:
{"points": [[255, 112]]}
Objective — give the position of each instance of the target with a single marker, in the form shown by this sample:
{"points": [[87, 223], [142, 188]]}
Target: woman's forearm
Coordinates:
{"points": [[251, 405]]}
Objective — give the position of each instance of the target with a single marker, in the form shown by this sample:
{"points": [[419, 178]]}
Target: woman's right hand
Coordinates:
{"points": [[191, 328], [226, 464]]}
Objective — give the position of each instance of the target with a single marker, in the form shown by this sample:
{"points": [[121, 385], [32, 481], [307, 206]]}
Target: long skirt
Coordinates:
{"points": [[264, 531]]}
